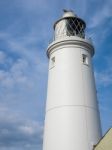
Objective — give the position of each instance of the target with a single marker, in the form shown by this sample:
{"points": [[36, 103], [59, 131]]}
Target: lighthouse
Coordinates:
{"points": [[72, 120]]}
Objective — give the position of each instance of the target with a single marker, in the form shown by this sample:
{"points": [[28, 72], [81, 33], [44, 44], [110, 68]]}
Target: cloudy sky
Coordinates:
{"points": [[25, 32]]}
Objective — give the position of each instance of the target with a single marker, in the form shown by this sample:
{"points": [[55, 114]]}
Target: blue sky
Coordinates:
{"points": [[25, 32]]}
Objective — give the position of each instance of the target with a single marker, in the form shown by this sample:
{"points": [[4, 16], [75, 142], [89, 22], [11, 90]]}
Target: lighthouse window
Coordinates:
{"points": [[52, 63], [85, 59]]}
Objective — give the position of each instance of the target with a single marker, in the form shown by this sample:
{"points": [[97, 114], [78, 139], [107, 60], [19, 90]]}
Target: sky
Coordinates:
{"points": [[26, 29]]}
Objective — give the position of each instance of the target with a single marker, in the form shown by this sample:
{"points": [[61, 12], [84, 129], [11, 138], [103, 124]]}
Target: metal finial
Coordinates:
{"points": [[65, 10]]}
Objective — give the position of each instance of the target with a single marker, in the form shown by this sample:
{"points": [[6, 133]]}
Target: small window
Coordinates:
{"points": [[85, 59], [52, 62]]}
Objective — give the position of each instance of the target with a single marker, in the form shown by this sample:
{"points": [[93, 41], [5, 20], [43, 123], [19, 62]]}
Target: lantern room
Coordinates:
{"points": [[69, 25]]}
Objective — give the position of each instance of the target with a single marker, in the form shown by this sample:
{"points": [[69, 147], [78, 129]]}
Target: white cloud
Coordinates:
{"points": [[101, 15], [33, 5], [18, 132], [27, 129], [15, 75], [2, 57], [104, 78]]}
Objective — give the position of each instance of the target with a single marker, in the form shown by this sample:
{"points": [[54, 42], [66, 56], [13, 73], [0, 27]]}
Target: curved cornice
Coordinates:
{"points": [[70, 41]]}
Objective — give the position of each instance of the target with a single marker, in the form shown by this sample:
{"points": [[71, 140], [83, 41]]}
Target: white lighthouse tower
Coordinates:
{"points": [[72, 117]]}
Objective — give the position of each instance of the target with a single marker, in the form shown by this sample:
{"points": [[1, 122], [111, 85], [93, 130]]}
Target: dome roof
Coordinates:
{"points": [[68, 13]]}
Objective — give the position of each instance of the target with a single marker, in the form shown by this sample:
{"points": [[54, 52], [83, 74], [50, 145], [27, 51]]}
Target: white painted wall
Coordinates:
{"points": [[72, 118]]}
